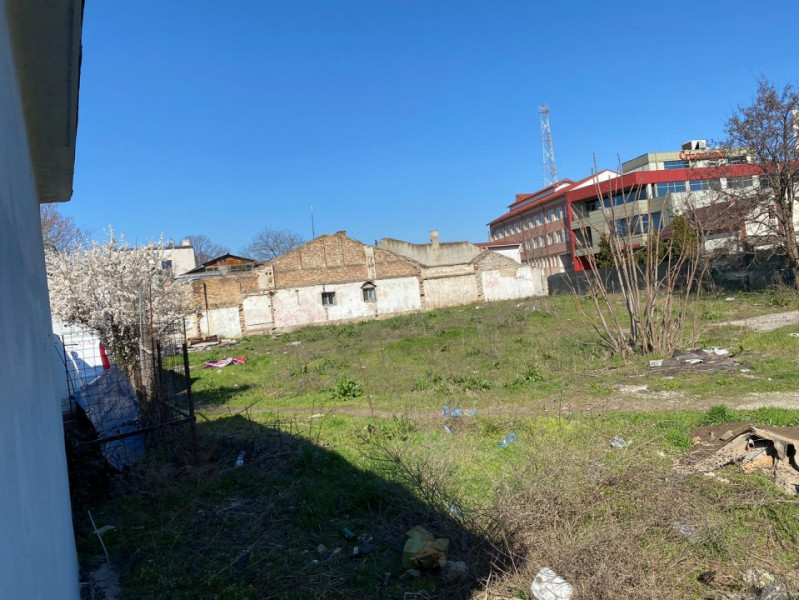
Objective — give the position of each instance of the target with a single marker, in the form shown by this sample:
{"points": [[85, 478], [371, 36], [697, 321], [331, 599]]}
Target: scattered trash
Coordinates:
{"points": [[446, 411], [240, 460], [548, 585], [685, 530], [411, 574], [618, 442], [759, 579], [295, 343], [423, 550], [755, 449], [448, 430], [348, 534], [794, 334], [718, 359], [706, 577], [321, 549], [729, 299], [508, 440], [453, 570], [314, 562], [355, 552], [776, 591], [456, 511], [225, 362], [384, 580]]}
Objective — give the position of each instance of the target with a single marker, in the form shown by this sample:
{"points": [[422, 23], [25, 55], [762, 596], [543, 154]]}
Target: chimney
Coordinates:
{"points": [[186, 242], [434, 239], [341, 233]]}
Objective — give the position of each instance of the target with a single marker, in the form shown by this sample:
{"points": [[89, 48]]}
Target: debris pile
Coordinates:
{"points": [[755, 449], [225, 362], [717, 359]]}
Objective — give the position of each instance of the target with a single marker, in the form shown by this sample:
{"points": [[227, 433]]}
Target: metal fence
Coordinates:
{"points": [[125, 409]]}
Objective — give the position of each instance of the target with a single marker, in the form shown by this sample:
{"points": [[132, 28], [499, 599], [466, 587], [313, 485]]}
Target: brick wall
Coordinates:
{"points": [[333, 259]]}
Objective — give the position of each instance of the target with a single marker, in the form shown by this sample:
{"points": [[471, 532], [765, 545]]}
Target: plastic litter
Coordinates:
{"points": [[548, 585], [446, 411], [656, 363], [618, 442], [508, 440], [456, 511], [348, 534], [240, 460], [448, 430]]}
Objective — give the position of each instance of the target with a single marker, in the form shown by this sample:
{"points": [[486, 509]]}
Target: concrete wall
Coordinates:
{"points": [[257, 313], [303, 306], [434, 253], [450, 291], [526, 281], [224, 322], [37, 549]]}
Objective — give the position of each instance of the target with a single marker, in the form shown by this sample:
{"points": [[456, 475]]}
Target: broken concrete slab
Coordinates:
{"points": [[755, 449]]}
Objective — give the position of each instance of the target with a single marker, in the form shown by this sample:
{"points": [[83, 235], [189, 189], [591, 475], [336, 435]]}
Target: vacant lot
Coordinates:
{"points": [[342, 428]]}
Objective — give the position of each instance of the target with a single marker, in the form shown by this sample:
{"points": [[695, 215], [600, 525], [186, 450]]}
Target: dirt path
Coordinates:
{"points": [[766, 322], [630, 398]]}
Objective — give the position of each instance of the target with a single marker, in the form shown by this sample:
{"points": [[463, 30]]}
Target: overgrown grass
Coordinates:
{"points": [[512, 354], [342, 429]]}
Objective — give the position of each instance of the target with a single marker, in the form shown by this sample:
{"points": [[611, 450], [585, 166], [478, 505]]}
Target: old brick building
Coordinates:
{"points": [[336, 278]]}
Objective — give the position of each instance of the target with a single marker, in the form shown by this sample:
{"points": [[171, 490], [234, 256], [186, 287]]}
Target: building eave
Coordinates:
{"points": [[46, 41]]}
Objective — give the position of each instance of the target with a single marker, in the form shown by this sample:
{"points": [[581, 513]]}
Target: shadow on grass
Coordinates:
{"points": [[218, 395], [278, 527]]}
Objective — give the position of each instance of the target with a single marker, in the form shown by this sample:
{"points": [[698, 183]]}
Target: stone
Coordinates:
{"points": [[454, 570], [758, 579]]}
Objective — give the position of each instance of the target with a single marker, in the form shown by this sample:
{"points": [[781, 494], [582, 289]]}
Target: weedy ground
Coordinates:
{"points": [[342, 428]]}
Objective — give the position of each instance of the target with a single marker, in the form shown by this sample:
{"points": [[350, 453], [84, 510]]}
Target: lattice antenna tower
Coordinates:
{"points": [[550, 170]]}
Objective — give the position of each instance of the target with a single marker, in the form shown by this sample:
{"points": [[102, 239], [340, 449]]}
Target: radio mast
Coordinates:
{"points": [[550, 170]]}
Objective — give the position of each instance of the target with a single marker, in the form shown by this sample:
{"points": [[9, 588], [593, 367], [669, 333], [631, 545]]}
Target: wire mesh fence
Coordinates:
{"points": [[126, 408]]}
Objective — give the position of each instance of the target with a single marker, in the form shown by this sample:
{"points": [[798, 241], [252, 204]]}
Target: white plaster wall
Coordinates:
{"points": [[223, 322], [528, 281], [303, 306], [398, 295], [183, 259], [37, 548], [257, 312], [450, 291]]}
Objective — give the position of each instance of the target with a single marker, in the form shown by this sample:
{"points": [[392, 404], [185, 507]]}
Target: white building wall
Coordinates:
{"points": [[450, 291], [37, 548], [397, 295], [257, 312], [223, 322], [303, 306], [528, 281]]}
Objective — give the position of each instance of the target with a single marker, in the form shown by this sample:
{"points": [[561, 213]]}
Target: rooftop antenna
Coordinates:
{"points": [[550, 170]]}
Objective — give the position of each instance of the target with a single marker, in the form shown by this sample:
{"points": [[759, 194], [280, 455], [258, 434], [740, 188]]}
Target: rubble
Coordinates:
{"points": [[755, 449], [717, 359]]}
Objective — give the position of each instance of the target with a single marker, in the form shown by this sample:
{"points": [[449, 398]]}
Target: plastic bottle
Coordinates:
{"points": [[508, 440], [240, 460]]}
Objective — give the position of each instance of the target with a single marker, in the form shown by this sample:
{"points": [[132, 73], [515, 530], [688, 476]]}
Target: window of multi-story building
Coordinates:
{"points": [[701, 185], [668, 187], [738, 159], [739, 183], [765, 184], [670, 165]]}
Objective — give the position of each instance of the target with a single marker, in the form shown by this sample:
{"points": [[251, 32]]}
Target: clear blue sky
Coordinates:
{"points": [[391, 118]]}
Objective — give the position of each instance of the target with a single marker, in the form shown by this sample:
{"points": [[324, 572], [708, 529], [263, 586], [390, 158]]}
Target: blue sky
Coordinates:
{"points": [[391, 118]]}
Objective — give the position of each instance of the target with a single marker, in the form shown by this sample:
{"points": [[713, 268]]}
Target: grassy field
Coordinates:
{"points": [[342, 428]]}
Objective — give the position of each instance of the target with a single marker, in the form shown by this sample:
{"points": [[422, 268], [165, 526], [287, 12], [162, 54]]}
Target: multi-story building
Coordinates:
{"points": [[559, 226], [539, 224]]}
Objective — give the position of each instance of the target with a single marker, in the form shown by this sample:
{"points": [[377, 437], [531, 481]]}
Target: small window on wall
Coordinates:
{"points": [[166, 264], [368, 290], [328, 298]]}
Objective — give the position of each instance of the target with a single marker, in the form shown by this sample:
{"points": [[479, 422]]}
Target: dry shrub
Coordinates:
{"points": [[616, 524]]}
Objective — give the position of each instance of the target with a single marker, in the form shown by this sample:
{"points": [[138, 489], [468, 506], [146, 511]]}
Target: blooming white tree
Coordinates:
{"points": [[122, 292]]}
